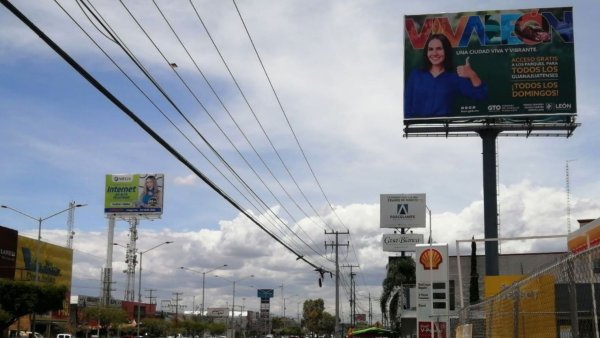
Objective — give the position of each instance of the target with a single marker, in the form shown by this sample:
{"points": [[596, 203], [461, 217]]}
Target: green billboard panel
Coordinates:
{"points": [[134, 194]]}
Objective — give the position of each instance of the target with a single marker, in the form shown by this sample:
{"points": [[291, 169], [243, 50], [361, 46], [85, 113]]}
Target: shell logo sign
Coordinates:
{"points": [[431, 259]]}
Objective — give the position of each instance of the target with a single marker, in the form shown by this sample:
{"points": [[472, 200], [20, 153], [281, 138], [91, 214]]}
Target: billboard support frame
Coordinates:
{"points": [[524, 129], [489, 133]]}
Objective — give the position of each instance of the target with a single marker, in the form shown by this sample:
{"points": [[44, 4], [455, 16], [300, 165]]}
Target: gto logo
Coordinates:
{"points": [[494, 107]]}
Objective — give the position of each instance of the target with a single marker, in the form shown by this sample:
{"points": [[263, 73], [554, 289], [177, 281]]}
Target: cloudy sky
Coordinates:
{"points": [[337, 70]]}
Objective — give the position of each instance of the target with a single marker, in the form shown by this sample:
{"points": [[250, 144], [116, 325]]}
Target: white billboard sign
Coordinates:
{"points": [[401, 242], [402, 211], [218, 312]]}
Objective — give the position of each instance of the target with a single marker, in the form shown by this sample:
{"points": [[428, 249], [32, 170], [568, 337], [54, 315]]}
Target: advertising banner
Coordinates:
{"points": [[8, 252], [433, 292], [502, 65], [402, 211], [578, 240], [265, 293], [220, 312], [54, 265], [134, 194], [360, 317], [401, 242]]}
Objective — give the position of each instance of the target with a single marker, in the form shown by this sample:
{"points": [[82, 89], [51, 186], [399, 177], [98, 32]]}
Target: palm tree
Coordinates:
{"points": [[400, 272]]}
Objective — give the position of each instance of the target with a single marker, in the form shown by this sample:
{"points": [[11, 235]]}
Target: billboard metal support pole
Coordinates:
{"points": [[490, 203]]}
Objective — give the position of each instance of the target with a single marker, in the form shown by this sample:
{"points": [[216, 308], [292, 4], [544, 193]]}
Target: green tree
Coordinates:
{"points": [[327, 324], [400, 272], [474, 286], [216, 328], [157, 327], [312, 312], [106, 316], [277, 323], [18, 299]]}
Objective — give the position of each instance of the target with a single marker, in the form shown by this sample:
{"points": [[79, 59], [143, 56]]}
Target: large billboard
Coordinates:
{"points": [[500, 66], [134, 194], [53, 263]]}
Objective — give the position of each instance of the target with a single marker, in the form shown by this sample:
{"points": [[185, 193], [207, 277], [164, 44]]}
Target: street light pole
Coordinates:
{"points": [[203, 280], [233, 302], [139, 305], [140, 285], [39, 241]]}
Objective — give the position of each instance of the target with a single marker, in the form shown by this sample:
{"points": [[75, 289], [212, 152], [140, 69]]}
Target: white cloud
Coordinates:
{"points": [[190, 179]]}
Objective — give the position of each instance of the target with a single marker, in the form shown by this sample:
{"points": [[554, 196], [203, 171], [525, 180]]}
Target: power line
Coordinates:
{"points": [[144, 71], [137, 120], [286, 117]]}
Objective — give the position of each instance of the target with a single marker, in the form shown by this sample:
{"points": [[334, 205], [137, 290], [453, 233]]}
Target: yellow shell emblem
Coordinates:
{"points": [[430, 259]]}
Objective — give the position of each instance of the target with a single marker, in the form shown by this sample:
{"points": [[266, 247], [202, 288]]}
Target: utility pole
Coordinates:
{"points": [[370, 311], [352, 295], [337, 276], [177, 299], [150, 298]]}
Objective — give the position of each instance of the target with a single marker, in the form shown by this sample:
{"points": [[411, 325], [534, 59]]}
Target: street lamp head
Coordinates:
{"points": [[3, 206]]}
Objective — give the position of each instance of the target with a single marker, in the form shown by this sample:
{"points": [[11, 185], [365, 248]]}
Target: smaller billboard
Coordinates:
{"points": [[218, 312], [134, 194], [8, 252], [402, 210], [360, 317], [264, 293], [401, 242]]}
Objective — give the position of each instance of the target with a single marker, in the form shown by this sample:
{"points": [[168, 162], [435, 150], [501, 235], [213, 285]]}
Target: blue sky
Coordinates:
{"points": [[337, 68]]}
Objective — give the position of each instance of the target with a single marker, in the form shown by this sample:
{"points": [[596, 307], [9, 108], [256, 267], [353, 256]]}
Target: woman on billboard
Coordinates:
{"points": [[430, 91], [150, 196]]}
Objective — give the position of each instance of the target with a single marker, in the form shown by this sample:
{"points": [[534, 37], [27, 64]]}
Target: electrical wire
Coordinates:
{"points": [[138, 121], [136, 61], [238, 127], [286, 117]]}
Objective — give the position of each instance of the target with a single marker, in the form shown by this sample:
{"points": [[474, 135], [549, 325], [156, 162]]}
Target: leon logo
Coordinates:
{"points": [[402, 209], [431, 259]]}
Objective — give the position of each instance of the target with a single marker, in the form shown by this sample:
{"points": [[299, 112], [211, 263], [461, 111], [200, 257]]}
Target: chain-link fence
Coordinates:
{"points": [[561, 300]]}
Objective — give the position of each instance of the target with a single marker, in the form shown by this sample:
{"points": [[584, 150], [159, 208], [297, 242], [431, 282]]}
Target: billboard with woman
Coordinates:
{"points": [[490, 66], [134, 194]]}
